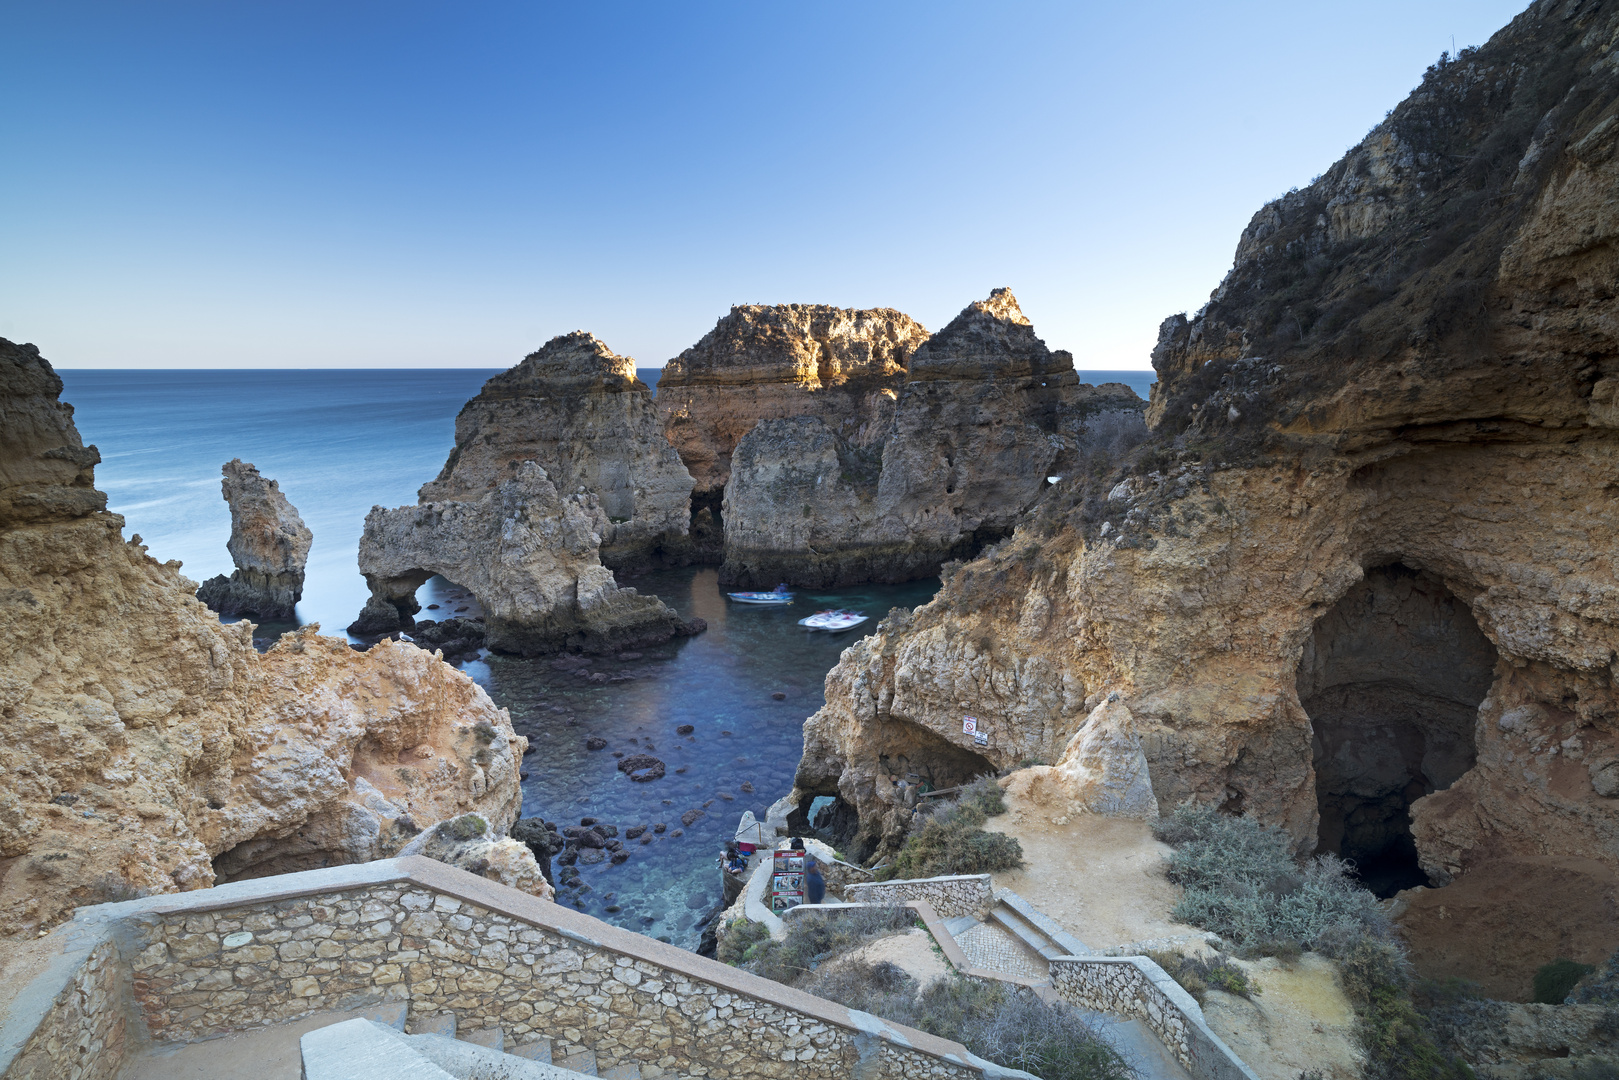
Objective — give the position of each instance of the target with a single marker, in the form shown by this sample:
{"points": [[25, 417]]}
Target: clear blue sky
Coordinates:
{"points": [[351, 184]]}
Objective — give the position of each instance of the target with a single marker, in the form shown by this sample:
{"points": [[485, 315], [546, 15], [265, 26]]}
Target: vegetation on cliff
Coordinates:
{"points": [[951, 839], [1005, 1025]]}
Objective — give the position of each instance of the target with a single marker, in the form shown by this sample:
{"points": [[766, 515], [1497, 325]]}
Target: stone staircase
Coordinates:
{"points": [[1014, 939], [364, 1049]]}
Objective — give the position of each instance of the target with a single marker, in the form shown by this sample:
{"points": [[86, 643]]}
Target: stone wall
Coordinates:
{"points": [[1135, 986], [81, 1034], [266, 951], [966, 894]]}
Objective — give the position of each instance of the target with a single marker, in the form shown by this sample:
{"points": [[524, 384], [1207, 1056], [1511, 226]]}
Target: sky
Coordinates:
{"points": [[402, 184]]}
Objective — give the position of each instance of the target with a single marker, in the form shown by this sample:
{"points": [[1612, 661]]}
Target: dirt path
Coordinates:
{"points": [[1101, 878]]}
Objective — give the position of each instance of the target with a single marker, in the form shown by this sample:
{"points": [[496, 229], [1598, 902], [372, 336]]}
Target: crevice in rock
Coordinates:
{"points": [[1392, 678]]}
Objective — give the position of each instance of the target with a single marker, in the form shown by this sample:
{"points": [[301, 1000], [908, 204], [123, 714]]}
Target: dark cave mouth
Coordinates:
{"points": [[1391, 678]]}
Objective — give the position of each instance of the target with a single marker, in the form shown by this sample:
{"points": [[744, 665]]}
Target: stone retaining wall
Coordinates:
{"points": [[966, 894], [260, 952], [1135, 986], [80, 1035]]}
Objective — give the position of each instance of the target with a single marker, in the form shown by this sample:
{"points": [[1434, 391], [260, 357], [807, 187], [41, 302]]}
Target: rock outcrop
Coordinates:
{"points": [[1378, 498], [985, 415], [578, 410], [149, 748], [772, 362], [473, 844], [269, 544], [559, 466], [530, 557]]}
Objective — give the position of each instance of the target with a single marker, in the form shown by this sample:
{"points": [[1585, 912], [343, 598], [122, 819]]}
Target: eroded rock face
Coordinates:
{"points": [[526, 552], [578, 410], [771, 362], [1394, 398], [985, 415], [269, 544], [150, 749], [473, 844]]}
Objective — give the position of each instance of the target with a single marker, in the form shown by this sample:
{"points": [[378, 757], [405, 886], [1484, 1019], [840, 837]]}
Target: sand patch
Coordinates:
{"points": [[1102, 878], [1301, 1020], [913, 952]]}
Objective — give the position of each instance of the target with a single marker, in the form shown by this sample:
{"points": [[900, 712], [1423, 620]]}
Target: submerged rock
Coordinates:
{"points": [[269, 544], [191, 757]]}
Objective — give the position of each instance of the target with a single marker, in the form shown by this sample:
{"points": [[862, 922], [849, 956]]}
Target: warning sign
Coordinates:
{"points": [[969, 725]]}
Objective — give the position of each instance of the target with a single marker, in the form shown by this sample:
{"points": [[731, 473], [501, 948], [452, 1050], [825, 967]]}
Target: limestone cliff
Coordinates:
{"points": [[578, 410], [985, 415], [149, 748], [526, 552], [269, 543], [1362, 581], [771, 362]]}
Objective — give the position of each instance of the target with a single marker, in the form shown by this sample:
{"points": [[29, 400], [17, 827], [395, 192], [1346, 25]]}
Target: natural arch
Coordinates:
{"points": [[1392, 678]]}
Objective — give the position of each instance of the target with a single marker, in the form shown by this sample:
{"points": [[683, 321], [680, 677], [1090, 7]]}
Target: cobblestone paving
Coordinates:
{"points": [[995, 949]]}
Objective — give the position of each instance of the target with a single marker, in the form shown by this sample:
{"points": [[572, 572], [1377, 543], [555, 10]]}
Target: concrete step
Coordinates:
{"points": [[960, 924], [1051, 928], [366, 1050], [492, 1037], [578, 1060], [1025, 932], [538, 1050], [432, 1024]]}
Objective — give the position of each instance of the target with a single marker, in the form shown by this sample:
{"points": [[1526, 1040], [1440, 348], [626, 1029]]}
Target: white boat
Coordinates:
{"points": [[779, 596], [833, 621]]}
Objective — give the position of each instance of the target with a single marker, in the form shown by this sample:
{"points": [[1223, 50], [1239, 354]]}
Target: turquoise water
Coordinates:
{"points": [[341, 441]]}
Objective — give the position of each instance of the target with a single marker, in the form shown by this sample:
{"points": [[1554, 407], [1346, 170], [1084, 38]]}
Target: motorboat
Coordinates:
{"points": [[833, 621], [778, 596]]}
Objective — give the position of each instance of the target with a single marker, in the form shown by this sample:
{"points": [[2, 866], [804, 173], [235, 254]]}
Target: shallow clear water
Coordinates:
{"points": [[340, 442], [720, 682]]}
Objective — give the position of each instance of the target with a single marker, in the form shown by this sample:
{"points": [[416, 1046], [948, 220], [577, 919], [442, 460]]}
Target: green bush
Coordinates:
{"points": [[1012, 1028], [816, 936], [1198, 975], [741, 936], [1241, 881], [951, 839], [1555, 981]]}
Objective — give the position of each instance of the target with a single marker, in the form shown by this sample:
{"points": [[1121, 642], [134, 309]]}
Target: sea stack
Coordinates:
{"points": [[560, 472], [769, 362], [269, 543], [577, 409], [985, 414]]}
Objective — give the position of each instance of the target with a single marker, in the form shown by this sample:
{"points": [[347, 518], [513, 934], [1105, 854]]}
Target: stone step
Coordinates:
{"points": [[960, 924], [1051, 928], [492, 1037], [432, 1024], [578, 1060], [538, 1050], [366, 1050], [1026, 932]]}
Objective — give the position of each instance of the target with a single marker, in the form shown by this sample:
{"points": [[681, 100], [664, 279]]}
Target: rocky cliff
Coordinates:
{"points": [[269, 544], [985, 415], [1362, 582], [149, 748], [578, 410], [527, 553], [771, 362]]}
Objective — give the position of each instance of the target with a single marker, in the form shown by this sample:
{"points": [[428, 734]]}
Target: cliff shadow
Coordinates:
{"points": [[1392, 678]]}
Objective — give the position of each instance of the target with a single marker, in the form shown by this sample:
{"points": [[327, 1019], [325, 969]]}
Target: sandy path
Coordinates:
{"points": [[913, 952], [1101, 878]]}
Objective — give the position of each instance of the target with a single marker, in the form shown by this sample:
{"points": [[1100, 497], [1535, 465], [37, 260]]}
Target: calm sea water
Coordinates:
{"points": [[340, 442]]}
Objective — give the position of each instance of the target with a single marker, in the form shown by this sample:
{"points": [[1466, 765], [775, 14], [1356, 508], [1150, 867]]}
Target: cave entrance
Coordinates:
{"points": [[1392, 678]]}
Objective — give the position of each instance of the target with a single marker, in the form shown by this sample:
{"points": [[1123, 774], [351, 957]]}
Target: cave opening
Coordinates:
{"points": [[1391, 677]]}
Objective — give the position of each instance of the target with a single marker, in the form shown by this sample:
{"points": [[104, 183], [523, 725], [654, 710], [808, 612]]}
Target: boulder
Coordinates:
{"points": [[269, 544], [470, 843]]}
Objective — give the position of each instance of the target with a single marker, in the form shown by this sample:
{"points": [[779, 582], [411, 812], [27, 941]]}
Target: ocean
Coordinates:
{"points": [[340, 442]]}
